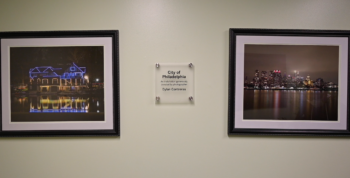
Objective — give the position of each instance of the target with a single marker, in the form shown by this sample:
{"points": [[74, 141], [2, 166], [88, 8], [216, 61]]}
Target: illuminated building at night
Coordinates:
{"points": [[264, 79], [49, 79], [277, 79], [256, 79]]}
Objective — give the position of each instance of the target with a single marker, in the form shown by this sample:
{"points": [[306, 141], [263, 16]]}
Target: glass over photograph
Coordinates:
{"points": [[291, 82], [56, 84]]}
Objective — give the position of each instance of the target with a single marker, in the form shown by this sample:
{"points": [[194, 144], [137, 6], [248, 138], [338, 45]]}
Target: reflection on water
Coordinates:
{"points": [[290, 105], [57, 104]]}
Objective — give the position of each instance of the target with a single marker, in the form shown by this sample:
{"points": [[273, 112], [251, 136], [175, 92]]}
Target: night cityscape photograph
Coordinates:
{"points": [[291, 82], [57, 83]]}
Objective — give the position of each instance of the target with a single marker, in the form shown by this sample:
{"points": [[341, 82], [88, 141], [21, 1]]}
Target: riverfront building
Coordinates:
{"points": [[51, 80]]}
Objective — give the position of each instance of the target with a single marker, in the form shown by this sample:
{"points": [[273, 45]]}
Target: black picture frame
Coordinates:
{"points": [[72, 104], [246, 45]]}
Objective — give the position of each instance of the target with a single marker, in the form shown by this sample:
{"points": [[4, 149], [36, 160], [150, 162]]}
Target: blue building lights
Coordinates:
{"points": [[50, 79], [73, 71]]}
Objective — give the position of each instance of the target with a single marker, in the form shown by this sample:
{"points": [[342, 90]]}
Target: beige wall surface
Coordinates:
{"points": [[172, 141]]}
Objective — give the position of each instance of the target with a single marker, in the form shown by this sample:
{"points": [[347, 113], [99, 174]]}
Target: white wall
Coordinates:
{"points": [[175, 140]]}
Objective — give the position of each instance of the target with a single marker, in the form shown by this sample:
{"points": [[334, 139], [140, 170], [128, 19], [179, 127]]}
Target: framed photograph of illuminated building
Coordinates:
{"points": [[289, 82], [59, 83]]}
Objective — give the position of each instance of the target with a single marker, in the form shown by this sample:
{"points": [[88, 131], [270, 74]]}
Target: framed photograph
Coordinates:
{"points": [[63, 83], [289, 82]]}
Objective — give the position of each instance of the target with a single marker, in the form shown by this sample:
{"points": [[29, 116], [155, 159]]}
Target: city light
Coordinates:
{"points": [[275, 80], [86, 78]]}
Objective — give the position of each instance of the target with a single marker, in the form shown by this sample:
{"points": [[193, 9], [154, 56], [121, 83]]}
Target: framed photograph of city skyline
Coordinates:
{"points": [[288, 82], [60, 83]]}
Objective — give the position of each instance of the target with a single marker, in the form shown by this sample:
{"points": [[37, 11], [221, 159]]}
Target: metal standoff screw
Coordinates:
{"points": [[190, 98], [157, 65], [157, 98], [190, 65]]}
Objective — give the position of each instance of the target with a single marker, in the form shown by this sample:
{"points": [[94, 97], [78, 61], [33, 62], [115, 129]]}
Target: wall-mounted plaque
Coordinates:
{"points": [[174, 83]]}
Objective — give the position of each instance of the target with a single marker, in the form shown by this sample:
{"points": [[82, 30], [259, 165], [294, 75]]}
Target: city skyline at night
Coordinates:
{"points": [[308, 60], [291, 82], [275, 79]]}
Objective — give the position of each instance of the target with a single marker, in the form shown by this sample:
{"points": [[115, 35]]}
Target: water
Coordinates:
{"points": [[290, 105], [57, 108]]}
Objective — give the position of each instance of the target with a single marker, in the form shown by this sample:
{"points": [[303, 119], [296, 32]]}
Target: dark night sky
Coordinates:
{"points": [[316, 61], [24, 58]]}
